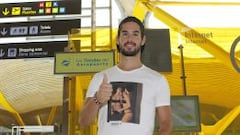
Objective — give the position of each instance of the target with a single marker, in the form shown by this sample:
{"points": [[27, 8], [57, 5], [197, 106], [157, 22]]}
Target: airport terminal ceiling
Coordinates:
{"points": [[29, 87]]}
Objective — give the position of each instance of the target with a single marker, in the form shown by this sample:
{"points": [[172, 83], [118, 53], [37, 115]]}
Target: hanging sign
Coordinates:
{"points": [[83, 62]]}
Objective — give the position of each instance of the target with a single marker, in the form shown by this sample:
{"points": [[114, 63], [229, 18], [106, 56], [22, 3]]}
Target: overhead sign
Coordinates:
{"points": [[185, 114], [157, 51], [39, 28], [31, 50], [40, 8], [83, 62]]}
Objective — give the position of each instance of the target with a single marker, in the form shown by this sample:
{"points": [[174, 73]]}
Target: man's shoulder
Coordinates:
{"points": [[152, 72]]}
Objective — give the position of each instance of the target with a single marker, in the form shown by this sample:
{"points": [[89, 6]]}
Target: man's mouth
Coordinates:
{"points": [[130, 44]]}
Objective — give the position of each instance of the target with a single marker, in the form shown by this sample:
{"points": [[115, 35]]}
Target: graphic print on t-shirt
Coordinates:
{"points": [[124, 105]]}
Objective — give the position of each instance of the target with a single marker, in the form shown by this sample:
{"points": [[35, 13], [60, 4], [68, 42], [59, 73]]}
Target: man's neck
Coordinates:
{"points": [[129, 63]]}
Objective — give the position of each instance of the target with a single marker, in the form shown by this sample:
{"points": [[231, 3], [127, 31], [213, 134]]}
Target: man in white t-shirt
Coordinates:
{"points": [[129, 96]]}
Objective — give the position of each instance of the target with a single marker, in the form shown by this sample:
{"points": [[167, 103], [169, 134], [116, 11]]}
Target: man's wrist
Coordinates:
{"points": [[96, 100]]}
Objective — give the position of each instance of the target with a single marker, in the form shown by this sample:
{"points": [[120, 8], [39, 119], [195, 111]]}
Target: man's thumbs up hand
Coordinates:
{"points": [[105, 90]]}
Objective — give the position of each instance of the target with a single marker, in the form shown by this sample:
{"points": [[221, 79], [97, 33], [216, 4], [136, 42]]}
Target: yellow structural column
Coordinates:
{"points": [[76, 91], [71, 108], [76, 99], [8, 107], [140, 9], [51, 115], [79, 101], [222, 124]]}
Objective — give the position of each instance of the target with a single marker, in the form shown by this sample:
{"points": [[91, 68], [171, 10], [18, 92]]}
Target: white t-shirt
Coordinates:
{"points": [[148, 89]]}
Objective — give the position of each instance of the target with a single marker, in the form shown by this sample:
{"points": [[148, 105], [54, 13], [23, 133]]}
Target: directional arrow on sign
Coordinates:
{"points": [[5, 11], [3, 32], [2, 53]]}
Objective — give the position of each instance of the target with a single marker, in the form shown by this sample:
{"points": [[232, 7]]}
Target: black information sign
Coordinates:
{"points": [[31, 49], [41, 8], [40, 28], [157, 51]]}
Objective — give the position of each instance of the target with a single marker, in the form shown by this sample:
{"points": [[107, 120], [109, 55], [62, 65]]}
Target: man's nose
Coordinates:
{"points": [[129, 37]]}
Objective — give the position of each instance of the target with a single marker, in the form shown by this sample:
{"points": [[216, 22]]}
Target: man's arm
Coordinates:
{"points": [[89, 112], [93, 104], [164, 120]]}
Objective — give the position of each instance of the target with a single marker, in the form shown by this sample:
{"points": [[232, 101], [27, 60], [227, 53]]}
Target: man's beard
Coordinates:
{"points": [[126, 52]]}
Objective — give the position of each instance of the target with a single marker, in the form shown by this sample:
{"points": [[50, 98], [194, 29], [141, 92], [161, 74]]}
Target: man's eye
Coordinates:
{"points": [[136, 34], [124, 34]]}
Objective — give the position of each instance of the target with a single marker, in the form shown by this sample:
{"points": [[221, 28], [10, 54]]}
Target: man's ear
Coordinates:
{"points": [[143, 40]]}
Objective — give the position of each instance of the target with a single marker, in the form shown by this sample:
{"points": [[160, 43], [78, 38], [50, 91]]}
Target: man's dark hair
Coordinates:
{"points": [[137, 21], [131, 19]]}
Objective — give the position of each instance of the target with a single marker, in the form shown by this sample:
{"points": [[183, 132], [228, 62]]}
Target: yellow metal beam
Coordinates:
{"points": [[183, 29], [222, 124], [19, 119], [139, 10], [72, 107], [52, 115], [39, 120], [8, 107]]}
